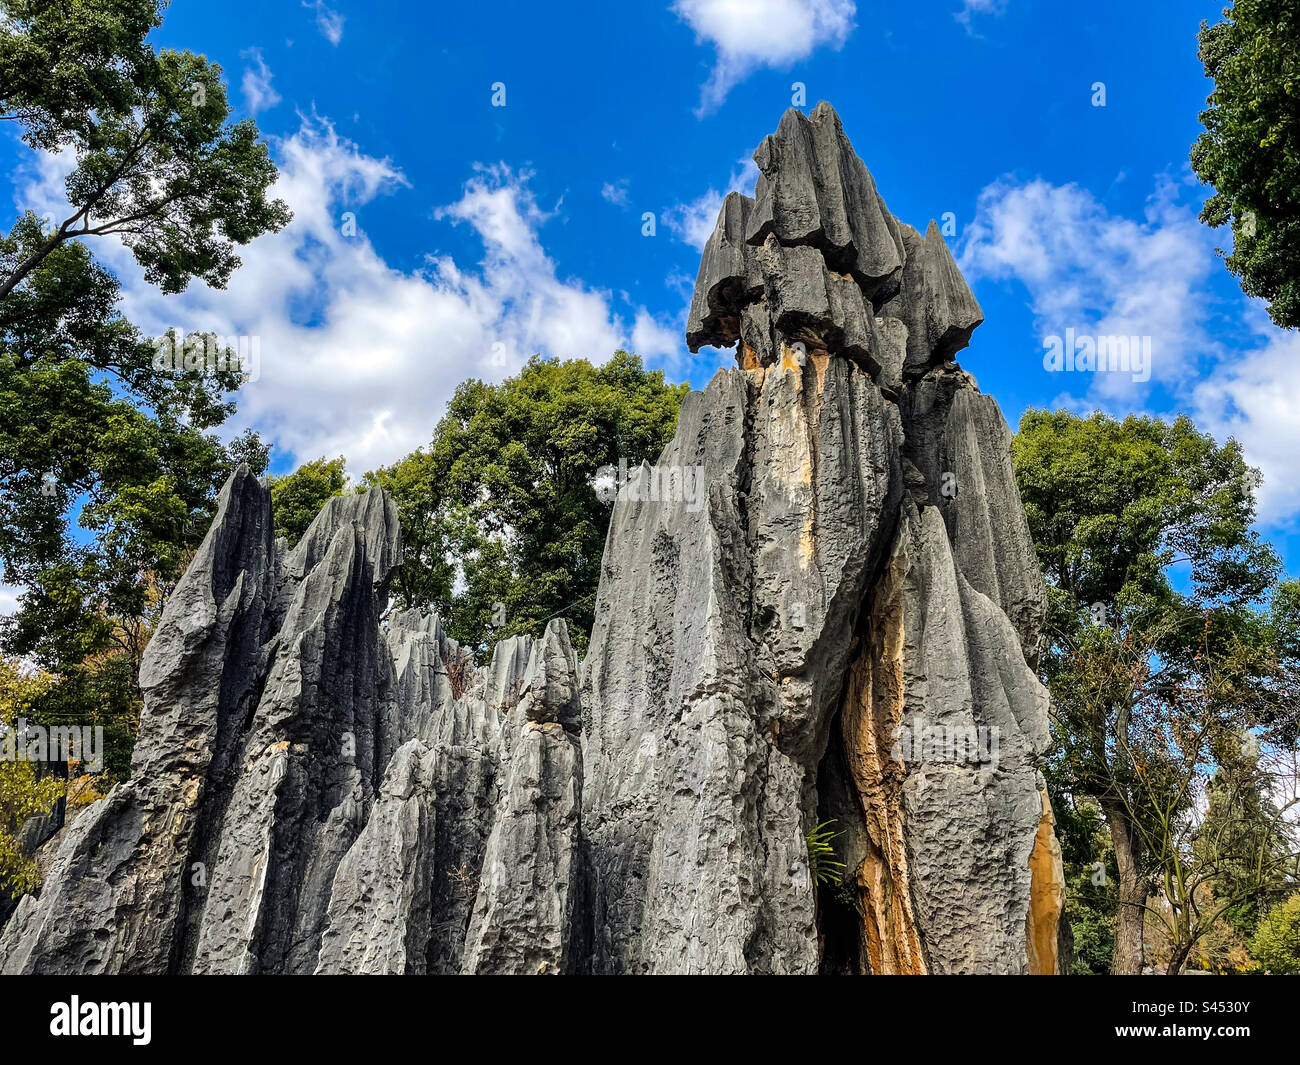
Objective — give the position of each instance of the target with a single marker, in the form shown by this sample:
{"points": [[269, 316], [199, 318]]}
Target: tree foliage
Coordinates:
{"points": [[1159, 653], [23, 792], [1276, 943], [297, 497], [109, 466], [500, 507], [1090, 896], [157, 161], [1250, 149]]}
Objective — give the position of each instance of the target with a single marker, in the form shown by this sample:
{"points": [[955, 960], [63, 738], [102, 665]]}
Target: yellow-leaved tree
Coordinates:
{"points": [[23, 793]]}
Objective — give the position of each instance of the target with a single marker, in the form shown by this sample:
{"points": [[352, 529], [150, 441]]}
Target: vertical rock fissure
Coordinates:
{"points": [[228, 754]]}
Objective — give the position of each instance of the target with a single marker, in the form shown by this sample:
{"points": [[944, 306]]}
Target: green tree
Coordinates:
{"points": [[1091, 896], [1250, 149], [108, 468], [109, 465], [500, 507], [23, 792], [434, 528], [1244, 844], [157, 162], [1147, 679], [296, 498], [1276, 943]]}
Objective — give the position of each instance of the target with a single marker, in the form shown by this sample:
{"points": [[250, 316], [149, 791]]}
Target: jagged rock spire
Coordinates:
{"points": [[816, 255], [863, 574]]}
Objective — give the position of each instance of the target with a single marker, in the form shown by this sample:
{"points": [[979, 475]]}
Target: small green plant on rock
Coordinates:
{"points": [[821, 854]]}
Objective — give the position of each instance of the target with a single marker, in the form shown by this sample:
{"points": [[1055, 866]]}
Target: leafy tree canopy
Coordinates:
{"points": [[23, 792], [1159, 651], [157, 162], [296, 498], [108, 468], [1276, 943], [500, 507], [1250, 149], [109, 465]]}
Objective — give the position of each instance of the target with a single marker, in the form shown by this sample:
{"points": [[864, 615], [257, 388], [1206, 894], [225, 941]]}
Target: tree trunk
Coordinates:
{"points": [[1176, 959], [1131, 915]]}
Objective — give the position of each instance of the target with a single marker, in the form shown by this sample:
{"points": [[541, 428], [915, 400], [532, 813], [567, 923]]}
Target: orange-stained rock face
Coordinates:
{"points": [[1046, 897], [871, 716], [947, 846]]}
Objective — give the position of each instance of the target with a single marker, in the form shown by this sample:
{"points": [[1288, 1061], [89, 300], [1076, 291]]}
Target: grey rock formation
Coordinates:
{"points": [[312, 792], [862, 574], [523, 913], [378, 919], [841, 627]]}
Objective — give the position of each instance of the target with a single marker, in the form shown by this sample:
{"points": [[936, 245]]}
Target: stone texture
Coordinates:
{"points": [[313, 791], [934, 301], [378, 919], [863, 567], [728, 277], [813, 189], [522, 917], [955, 429], [952, 840], [1048, 956], [321, 787], [115, 899]]}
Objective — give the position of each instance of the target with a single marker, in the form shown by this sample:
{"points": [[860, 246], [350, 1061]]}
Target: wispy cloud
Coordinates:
{"points": [[1254, 400], [971, 8], [753, 33], [1086, 268], [616, 192], [328, 21], [258, 93], [693, 222], [1093, 271]]}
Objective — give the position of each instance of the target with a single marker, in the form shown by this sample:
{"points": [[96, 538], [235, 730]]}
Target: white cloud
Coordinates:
{"points": [[1254, 400], [1093, 271], [328, 21], [615, 192], [660, 341], [693, 222], [1099, 273], [970, 8], [358, 358], [258, 93], [9, 598], [751, 33]]}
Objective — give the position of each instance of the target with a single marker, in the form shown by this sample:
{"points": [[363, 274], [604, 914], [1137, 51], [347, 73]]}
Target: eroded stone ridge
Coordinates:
{"points": [[845, 632], [314, 791]]}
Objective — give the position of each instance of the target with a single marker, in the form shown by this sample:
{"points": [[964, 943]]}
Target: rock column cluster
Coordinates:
{"points": [[841, 628]]}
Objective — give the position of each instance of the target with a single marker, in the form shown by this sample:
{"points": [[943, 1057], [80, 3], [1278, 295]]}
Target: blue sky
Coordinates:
{"points": [[484, 233]]}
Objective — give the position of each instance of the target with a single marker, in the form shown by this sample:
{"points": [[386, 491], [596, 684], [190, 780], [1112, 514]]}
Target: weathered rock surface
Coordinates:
{"points": [[378, 919], [312, 793], [843, 630]]}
